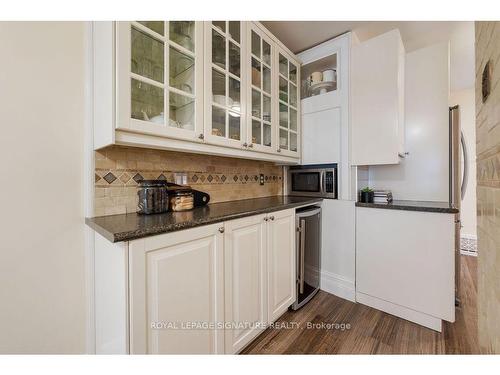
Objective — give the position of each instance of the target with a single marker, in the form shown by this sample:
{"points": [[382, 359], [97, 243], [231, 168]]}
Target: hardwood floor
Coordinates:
{"points": [[372, 331]]}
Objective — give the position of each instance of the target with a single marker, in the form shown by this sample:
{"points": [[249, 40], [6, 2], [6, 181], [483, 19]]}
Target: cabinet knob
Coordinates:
{"points": [[266, 219], [250, 145], [201, 136], [278, 150], [271, 218], [245, 144], [221, 229]]}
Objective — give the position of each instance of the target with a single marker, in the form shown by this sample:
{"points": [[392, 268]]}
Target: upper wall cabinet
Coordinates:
{"points": [[377, 100], [160, 78], [204, 87], [288, 103], [224, 99]]}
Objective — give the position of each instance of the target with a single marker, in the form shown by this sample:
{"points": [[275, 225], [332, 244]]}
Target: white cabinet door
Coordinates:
{"points": [[377, 100], [261, 117], [321, 133], [245, 281], [288, 104], [225, 80], [177, 279], [406, 259], [281, 262], [159, 78]]}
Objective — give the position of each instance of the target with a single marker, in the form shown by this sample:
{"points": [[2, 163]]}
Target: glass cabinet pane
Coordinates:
{"points": [[182, 33], [218, 49], [256, 110], [293, 95], [256, 44], [283, 115], [283, 139], [293, 142], [221, 25], [147, 102], [266, 79], [234, 59], [218, 87], [293, 119], [283, 90], [147, 56], [266, 52], [156, 26], [234, 94], [267, 135], [181, 73], [234, 126], [181, 111], [293, 73], [256, 73], [266, 108], [283, 62], [256, 132], [218, 121], [234, 30]]}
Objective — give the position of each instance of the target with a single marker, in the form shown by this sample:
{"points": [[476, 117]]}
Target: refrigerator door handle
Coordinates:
{"points": [[302, 252]]}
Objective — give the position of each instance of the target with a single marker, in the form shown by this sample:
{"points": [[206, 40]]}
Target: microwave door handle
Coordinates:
{"points": [[323, 183]]}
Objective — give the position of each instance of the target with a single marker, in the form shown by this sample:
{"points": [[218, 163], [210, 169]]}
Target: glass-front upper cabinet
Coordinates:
{"points": [[288, 104], [224, 81], [160, 78], [261, 133]]}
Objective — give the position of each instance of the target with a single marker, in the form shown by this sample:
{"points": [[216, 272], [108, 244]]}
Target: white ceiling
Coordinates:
{"points": [[301, 35]]}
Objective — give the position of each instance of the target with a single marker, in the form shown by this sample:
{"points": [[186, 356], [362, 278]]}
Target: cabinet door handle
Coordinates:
{"points": [[272, 218], [201, 136], [266, 219], [278, 150], [221, 229], [250, 145], [245, 144]]}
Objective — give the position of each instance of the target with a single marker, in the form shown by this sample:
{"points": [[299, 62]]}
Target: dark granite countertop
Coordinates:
{"points": [[423, 206], [132, 226]]}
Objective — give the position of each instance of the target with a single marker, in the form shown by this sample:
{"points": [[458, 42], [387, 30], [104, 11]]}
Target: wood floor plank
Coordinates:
{"points": [[372, 331]]}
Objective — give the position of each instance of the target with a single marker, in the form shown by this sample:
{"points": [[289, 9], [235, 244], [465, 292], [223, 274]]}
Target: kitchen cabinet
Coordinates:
{"points": [[326, 108], [261, 91], [288, 103], [177, 278], [405, 264], [159, 78], [202, 87], [245, 272], [224, 80], [377, 100], [281, 262], [206, 290]]}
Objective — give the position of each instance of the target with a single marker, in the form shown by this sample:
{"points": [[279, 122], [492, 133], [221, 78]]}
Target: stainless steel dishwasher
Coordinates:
{"points": [[308, 222]]}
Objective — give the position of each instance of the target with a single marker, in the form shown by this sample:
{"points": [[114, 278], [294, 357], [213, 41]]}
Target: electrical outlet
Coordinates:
{"points": [[261, 179]]}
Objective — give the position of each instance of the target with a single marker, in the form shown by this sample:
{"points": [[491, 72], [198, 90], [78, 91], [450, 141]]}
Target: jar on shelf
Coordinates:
{"points": [[181, 198], [153, 197]]}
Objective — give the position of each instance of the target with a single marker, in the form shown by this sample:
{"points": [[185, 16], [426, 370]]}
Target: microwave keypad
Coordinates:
{"points": [[329, 182]]}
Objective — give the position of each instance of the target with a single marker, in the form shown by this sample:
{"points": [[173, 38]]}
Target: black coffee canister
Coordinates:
{"points": [[153, 197]]}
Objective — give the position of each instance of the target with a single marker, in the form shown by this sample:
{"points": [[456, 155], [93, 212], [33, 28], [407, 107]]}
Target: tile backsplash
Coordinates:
{"points": [[118, 170]]}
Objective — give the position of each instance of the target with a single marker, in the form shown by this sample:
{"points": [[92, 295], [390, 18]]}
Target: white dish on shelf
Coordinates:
{"points": [[317, 87]]}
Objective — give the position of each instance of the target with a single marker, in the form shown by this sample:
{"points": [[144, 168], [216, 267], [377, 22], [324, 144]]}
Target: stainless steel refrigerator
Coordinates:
{"points": [[458, 171]]}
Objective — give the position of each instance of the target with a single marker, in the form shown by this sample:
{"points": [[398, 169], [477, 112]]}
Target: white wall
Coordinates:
{"points": [[42, 288], [466, 102], [423, 175]]}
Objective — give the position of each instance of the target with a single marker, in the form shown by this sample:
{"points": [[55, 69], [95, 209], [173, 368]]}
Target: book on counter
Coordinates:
{"points": [[382, 196]]}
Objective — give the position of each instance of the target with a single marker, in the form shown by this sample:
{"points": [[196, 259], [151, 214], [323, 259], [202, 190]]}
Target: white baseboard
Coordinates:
{"points": [[338, 285], [400, 311]]}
